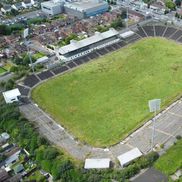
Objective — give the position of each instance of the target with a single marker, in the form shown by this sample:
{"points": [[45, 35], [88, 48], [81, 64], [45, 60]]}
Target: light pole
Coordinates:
{"points": [[25, 35], [127, 16], [154, 106]]}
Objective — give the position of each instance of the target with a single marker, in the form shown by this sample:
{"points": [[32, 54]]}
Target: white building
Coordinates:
{"points": [[129, 156], [97, 163], [17, 6], [86, 8], [28, 3], [83, 47], [52, 7], [6, 8], [12, 95]]}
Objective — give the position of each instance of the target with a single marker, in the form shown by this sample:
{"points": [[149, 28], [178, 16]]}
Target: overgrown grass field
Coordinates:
{"points": [[2, 70], [104, 100], [171, 161]]}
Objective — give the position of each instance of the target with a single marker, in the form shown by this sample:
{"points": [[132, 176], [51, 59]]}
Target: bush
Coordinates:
{"points": [[152, 157], [9, 84], [50, 153], [178, 137]]}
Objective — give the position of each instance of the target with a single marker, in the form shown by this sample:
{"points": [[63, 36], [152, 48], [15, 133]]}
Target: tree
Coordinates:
{"points": [[5, 30], [178, 3], [169, 4], [50, 153], [14, 12]]}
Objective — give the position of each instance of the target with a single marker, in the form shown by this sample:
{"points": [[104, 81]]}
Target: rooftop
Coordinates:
{"points": [[84, 4], [74, 45], [10, 94], [97, 163]]}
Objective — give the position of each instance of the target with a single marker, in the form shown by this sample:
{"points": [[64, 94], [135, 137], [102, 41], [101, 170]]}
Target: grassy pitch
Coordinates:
{"points": [[171, 161], [104, 100]]}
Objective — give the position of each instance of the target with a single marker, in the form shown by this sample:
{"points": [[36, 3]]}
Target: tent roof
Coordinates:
{"points": [[129, 156], [97, 163]]}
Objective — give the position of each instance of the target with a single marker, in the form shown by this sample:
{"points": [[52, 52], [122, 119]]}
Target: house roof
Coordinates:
{"points": [[5, 135], [8, 95], [6, 7], [97, 163], [18, 168], [18, 5]]}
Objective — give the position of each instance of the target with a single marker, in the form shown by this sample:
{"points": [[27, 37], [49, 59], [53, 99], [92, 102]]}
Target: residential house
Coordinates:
{"points": [[17, 6], [6, 8], [28, 3]]}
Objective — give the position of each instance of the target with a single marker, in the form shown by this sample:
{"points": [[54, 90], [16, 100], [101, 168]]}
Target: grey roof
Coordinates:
{"points": [[18, 5], [12, 158], [74, 45]]}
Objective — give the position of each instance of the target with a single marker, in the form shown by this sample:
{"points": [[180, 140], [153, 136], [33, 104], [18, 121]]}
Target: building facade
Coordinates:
{"points": [[52, 7], [80, 9]]}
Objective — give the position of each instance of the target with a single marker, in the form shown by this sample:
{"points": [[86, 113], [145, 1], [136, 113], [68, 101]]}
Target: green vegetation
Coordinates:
{"points": [[102, 101], [170, 4], [67, 40], [171, 161], [9, 29], [36, 176], [2, 70], [38, 55], [37, 21]]}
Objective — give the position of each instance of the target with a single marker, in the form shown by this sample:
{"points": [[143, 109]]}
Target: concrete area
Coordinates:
{"points": [[151, 175]]}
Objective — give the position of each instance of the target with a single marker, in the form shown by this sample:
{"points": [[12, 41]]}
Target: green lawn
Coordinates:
{"points": [[102, 101], [2, 70], [171, 161]]}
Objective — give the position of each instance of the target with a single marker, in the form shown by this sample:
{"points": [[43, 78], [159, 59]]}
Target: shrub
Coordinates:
{"points": [[178, 137]]}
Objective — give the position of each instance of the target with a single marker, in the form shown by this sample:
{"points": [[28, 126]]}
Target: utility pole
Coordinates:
{"points": [[154, 106]]}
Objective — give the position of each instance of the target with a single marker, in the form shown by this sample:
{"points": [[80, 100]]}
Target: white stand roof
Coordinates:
{"points": [[129, 156], [97, 163], [127, 34], [11, 95]]}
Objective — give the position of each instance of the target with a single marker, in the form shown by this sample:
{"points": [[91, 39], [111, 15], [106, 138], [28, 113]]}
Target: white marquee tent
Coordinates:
{"points": [[129, 156], [97, 163]]}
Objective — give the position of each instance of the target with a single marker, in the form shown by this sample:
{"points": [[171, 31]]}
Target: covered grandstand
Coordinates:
{"points": [[83, 47]]}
